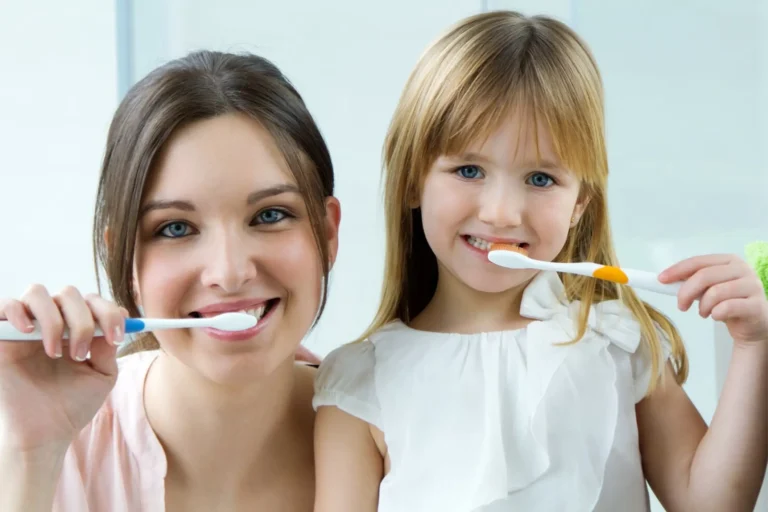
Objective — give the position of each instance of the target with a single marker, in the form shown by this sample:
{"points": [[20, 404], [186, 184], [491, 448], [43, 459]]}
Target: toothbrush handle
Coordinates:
{"points": [[9, 333], [650, 281]]}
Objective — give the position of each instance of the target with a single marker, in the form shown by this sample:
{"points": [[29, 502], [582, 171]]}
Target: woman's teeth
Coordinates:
{"points": [[258, 312]]}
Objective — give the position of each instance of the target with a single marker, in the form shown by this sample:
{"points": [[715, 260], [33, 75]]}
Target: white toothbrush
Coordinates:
{"points": [[224, 322], [509, 256]]}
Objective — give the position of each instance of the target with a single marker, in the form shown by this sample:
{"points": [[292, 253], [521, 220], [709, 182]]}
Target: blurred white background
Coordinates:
{"points": [[687, 114]]}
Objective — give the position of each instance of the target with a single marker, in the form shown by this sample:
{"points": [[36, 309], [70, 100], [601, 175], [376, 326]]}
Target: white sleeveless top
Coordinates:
{"points": [[503, 421]]}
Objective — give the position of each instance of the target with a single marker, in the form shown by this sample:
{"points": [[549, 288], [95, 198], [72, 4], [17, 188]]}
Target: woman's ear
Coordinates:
{"points": [[332, 223], [135, 283]]}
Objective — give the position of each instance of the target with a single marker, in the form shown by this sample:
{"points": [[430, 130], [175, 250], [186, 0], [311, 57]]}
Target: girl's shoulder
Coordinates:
{"points": [[345, 379]]}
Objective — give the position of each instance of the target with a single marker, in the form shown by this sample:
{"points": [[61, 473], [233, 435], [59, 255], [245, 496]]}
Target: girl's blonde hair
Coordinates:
{"points": [[464, 86]]}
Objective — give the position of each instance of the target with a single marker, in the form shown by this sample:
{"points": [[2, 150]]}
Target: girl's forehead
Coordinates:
{"points": [[513, 138]]}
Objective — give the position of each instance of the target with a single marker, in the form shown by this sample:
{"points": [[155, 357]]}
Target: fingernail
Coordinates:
{"points": [[57, 353], [31, 327], [82, 353], [118, 335]]}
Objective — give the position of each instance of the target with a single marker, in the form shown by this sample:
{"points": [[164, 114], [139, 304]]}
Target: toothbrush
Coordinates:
{"points": [[224, 322], [511, 256]]}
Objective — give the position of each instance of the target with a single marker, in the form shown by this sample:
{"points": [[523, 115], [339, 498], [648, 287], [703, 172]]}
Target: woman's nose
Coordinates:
{"points": [[229, 264]]}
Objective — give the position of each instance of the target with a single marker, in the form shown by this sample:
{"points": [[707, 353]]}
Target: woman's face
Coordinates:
{"points": [[223, 228]]}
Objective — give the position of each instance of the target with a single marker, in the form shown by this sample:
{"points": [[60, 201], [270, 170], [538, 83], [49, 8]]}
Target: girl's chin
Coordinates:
{"points": [[500, 284]]}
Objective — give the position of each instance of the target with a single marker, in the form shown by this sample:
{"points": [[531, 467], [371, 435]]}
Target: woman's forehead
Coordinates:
{"points": [[230, 152]]}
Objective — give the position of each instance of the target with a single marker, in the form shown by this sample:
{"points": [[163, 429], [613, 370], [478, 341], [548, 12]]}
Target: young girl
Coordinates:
{"points": [[216, 195], [483, 388]]}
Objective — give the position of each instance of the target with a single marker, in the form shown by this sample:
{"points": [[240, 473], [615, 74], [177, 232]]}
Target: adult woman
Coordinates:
{"points": [[216, 194]]}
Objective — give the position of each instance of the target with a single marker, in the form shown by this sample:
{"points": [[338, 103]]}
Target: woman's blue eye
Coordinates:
{"points": [[175, 230], [469, 172], [541, 180], [271, 216]]}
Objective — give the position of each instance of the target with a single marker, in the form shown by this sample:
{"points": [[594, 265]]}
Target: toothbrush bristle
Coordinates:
{"points": [[508, 247], [235, 321]]}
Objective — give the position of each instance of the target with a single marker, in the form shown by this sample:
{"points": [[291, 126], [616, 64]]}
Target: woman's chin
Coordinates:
{"points": [[237, 370]]}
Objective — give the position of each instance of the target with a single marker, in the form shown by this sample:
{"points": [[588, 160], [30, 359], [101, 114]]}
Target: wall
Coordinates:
{"points": [[58, 93]]}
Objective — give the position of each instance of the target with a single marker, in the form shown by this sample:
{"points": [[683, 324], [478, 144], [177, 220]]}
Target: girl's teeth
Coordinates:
{"points": [[479, 243]]}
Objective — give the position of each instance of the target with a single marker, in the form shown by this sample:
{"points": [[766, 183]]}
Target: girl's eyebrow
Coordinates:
{"points": [[543, 164], [187, 206]]}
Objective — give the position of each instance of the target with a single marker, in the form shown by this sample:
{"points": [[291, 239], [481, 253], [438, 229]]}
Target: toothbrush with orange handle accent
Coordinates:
{"points": [[512, 256]]}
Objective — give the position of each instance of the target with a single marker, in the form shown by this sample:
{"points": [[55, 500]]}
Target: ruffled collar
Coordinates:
{"points": [[544, 300]]}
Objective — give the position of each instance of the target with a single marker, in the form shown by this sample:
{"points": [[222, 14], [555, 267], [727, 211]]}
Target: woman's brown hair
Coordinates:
{"points": [[197, 87]]}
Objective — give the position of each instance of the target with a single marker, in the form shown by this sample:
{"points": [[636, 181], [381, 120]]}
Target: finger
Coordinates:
{"points": [[41, 306], [686, 268], [103, 357], [111, 320], [722, 292], [697, 285], [304, 354], [14, 312], [109, 317], [79, 322], [736, 308]]}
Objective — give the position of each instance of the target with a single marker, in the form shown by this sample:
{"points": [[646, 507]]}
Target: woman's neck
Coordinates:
{"points": [[458, 308], [224, 439]]}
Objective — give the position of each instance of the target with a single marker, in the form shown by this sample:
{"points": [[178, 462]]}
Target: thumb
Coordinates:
{"points": [[103, 357]]}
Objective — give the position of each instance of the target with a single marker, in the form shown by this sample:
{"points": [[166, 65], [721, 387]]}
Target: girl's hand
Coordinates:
{"points": [[728, 290]]}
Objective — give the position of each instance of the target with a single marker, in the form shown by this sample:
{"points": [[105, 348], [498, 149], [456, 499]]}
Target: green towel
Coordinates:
{"points": [[757, 257]]}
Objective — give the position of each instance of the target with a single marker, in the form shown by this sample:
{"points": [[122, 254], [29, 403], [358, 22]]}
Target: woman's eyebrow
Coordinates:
{"points": [[255, 197], [187, 206]]}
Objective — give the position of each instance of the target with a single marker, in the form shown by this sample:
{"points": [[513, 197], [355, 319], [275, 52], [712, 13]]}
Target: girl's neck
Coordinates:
{"points": [[223, 438], [457, 308]]}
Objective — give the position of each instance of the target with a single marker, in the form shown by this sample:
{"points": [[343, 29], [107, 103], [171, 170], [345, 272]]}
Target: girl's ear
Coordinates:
{"points": [[414, 197], [579, 208]]}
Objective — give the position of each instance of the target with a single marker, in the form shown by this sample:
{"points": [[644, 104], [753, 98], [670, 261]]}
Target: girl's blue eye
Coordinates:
{"points": [[175, 230], [469, 172], [541, 180], [271, 216]]}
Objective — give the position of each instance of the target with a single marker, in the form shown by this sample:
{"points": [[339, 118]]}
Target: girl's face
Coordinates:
{"points": [[498, 192], [224, 228]]}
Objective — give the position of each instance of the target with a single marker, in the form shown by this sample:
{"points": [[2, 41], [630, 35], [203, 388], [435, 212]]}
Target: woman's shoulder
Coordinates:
{"points": [[121, 420], [126, 398], [118, 441]]}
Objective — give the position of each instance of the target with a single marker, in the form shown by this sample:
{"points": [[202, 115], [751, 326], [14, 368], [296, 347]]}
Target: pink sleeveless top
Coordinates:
{"points": [[117, 463]]}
